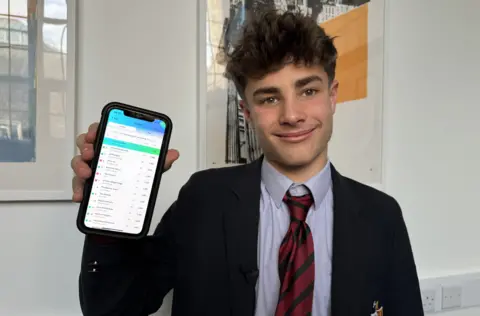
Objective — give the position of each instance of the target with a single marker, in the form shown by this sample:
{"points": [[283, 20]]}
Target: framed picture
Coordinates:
{"points": [[37, 99], [358, 25]]}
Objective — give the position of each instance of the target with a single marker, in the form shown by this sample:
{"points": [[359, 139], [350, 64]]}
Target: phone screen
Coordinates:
{"points": [[123, 180]]}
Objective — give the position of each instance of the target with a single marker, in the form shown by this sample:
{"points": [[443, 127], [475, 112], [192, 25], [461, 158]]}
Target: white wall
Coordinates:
{"points": [[147, 57]]}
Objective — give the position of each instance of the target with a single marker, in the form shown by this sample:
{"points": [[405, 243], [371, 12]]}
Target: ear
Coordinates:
{"points": [[333, 95], [245, 110]]}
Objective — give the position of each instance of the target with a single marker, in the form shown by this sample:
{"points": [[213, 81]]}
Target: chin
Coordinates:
{"points": [[296, 160], [293, 156]]}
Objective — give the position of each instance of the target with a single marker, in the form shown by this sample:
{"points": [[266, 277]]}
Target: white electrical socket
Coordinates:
{"points": [[428, 300], [451, 297]]}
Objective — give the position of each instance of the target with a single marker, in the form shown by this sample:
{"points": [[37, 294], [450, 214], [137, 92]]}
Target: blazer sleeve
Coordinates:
{"points": [[404, 289], [130, 278]]}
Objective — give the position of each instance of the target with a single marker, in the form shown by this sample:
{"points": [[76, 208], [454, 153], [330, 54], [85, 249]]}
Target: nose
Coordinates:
{"points": [[292, 113]]}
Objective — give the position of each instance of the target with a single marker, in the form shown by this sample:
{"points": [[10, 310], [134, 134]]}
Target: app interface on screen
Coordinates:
{"points": [[124, 177]]}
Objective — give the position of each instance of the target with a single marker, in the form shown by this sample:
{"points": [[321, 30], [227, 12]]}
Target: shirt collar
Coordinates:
{"points": [[277, 184]]}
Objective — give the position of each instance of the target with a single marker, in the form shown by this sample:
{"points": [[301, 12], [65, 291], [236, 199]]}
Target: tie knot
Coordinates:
{"points": [[298, 205]]}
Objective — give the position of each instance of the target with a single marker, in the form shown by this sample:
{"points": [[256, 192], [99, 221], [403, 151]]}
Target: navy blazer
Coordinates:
{"points": [[205, 249]]}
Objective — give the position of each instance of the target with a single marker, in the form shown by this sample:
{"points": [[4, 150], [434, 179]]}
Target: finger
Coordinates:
{"points": [[87, 152], [172, 156], [80, 167], [92, 133], [81, 141], [77, 188]]}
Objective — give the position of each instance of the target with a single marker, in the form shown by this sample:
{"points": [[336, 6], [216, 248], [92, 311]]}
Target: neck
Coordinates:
{"points": [[301, 173]]}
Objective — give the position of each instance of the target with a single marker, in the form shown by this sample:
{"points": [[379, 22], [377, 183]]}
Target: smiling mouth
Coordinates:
{"points": [[295, 136]]}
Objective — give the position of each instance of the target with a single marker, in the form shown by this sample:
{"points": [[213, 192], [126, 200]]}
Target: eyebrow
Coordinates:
{"points": [[298, 84], [304, 81], [266, 90]]}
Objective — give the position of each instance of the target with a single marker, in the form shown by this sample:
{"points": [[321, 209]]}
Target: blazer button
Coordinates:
{"points": [[93, 266]]}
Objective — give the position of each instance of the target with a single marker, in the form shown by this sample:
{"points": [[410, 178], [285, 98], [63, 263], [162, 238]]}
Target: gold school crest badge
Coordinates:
{"points": [[377, 309]]}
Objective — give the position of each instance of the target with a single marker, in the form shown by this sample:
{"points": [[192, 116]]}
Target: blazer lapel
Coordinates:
{"points": [[241, 235], [349, 249]]}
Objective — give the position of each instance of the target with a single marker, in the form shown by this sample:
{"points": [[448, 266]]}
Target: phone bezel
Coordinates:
{"points": [[93, 165]]}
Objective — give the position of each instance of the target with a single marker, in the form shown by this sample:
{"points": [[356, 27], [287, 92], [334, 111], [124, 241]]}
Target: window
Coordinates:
{"points": [[37, 99], [22, 25], [17, 64]]}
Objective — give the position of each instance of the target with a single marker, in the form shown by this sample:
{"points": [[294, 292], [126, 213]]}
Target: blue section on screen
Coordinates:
{"points": [[117, 116]]}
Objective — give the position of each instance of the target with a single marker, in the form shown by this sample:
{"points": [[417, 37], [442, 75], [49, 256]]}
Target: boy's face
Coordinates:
{"points": [[292, 113]]}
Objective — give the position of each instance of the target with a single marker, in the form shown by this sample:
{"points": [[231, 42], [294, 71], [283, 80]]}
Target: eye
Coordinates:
{"points": [[269, 100], [310, 92]]}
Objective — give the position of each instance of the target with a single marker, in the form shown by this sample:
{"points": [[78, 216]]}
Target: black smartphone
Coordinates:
{"points": [[130, 151]]}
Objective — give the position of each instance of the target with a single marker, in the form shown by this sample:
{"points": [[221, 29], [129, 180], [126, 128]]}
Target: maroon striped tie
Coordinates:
{"points": [[296, 261]]}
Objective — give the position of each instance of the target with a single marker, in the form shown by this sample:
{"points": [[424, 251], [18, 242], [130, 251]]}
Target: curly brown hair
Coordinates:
{"points": [[272, 39]]}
